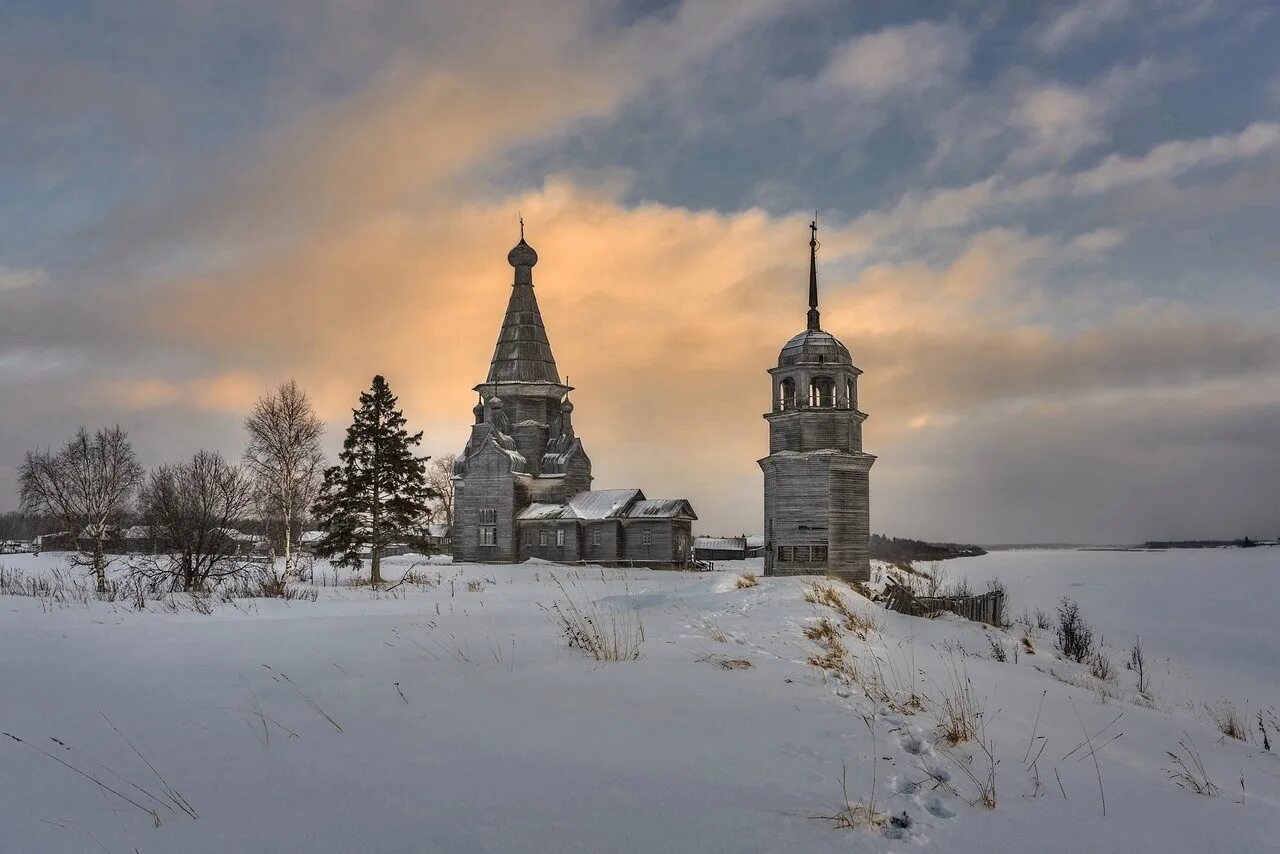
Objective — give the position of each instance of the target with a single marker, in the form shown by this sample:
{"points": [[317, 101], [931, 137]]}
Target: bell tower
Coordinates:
{"points": [[816, 477]]}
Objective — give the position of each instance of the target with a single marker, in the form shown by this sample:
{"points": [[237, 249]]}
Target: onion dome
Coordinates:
{"points": [[522, 255]]}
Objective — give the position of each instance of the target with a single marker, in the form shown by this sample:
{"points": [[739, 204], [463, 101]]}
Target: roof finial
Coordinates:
{"points": [[813, 272], [521, 224]]}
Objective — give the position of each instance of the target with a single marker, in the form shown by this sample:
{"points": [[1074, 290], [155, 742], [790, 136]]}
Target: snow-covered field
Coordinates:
{"points": [[452, 716], [1213, 614]]}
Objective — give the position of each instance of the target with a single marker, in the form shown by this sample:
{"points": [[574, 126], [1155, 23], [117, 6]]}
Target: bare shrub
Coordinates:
{"points": [[935, 580], [604, 632], [475, 585], [1188, 769], [997, 649], [190, 507], [1027, 646], [264, 584], [1100, 666], [1266, 725], [746, 580], [1138, 664], [1044, 621], [1226, 719], [1075, 636]]}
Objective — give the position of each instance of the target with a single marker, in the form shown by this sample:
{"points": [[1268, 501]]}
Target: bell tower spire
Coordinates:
{"points": [[813, 272]]}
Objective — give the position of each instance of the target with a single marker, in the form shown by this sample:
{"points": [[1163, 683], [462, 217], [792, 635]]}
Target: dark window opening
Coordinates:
{"points": [[822, 392]]}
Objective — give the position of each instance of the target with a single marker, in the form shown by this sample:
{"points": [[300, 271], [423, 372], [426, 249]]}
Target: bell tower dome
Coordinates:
{"points": [[816, 484]]}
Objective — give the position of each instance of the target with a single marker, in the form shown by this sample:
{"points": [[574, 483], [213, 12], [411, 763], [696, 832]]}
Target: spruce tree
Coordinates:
{"points": [[377, 494]]}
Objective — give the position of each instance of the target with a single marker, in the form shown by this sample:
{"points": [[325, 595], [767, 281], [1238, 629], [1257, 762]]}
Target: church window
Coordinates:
{"points": [[646, 539], [542, 538], [488, 516], [850, 395], [818, 554], [559, 536], [488, 535], [784, 553], [787, 394], [802, 554], [595, 537], [822, 392]]}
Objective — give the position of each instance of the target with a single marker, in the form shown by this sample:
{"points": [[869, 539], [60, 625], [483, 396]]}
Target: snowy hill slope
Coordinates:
{"points": [[453, 716]]}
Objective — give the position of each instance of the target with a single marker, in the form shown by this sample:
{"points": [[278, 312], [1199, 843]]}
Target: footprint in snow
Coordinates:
{"points": [[900, 785], [915, 745], [902, 826], [942, 775], [937, 808]]}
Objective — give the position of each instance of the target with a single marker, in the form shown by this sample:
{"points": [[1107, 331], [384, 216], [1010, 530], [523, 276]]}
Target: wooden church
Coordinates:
{"points": [[523, 481]]}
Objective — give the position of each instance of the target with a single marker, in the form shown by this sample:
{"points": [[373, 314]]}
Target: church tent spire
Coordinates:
{"points": [[523, 353]]}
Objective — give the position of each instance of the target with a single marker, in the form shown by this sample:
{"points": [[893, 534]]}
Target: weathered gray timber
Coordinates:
{"points": [[522, 485], [817, 508], [984, 608]]}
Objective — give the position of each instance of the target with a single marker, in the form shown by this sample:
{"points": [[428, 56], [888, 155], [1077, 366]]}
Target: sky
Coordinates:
{"points": [[1050, 235]]}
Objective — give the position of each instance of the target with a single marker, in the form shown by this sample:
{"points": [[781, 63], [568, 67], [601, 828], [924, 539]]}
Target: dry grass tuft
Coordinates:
{"points": [[1226, 719], [1188, 769], [832, 653], [601, 631], [957, 708], [726, 663], [826, 595], [864, 812], [746, 580], [707, 626]]}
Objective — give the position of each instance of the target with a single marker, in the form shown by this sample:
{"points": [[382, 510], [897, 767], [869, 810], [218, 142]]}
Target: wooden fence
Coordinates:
{"points": [[985, 608]]}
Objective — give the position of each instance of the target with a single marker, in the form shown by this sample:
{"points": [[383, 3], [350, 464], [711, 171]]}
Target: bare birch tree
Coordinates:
{"points": [[88, 486], [440, 479], [284, 460], [190, 508]]}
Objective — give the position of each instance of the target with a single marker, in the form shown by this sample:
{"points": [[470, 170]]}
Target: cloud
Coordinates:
{"points": [[906, 59], [952, 207], [1080, 21], [1099, 240], [1171, 159], [16, 278], [1058, 121]]}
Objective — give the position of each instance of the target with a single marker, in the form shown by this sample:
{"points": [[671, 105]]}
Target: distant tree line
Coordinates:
{"points": [[901, 549], [93, 488], [1244, 543]]}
